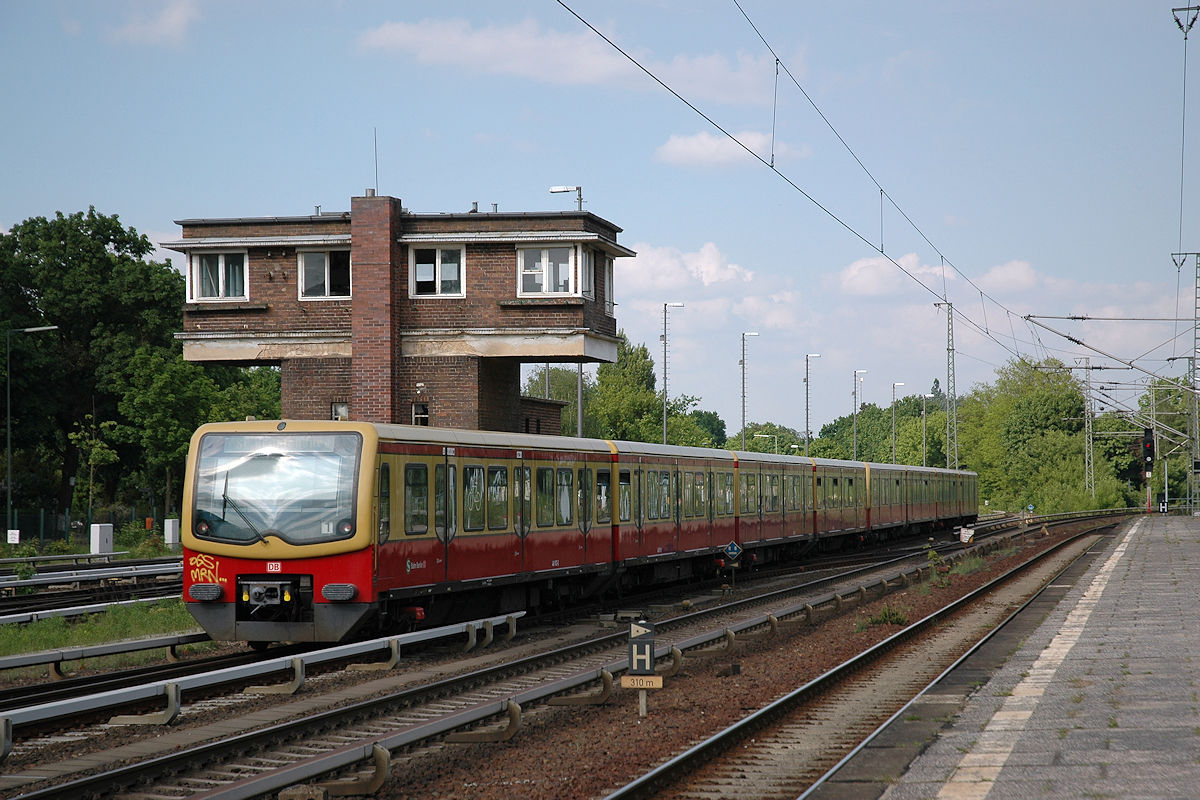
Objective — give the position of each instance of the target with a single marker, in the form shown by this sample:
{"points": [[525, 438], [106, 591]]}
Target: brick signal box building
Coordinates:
{"points": [[382, 315]]}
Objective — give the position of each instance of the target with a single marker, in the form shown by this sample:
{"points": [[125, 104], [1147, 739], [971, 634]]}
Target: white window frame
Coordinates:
{"points": [[328, 261], [609, 301], [437, 270], [587, 272], [194, 277], [572, 269]]}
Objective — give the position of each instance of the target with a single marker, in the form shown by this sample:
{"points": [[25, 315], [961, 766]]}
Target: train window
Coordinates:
{"points": [[565, 505], [678, 494], [624, 496], [416, 499], [851, 497], [522, 497], [653, 494], [585, 497], [545, 497], [385, 501], [497, 499], [664, 496], [700, 495], [771, 492], [444, 505], [749, 493], [603, 496], [474, 512], [726, 495], [820, 497], [835, 495]]}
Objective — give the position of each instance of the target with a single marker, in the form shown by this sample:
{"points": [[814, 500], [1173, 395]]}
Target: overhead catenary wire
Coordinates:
{"points": [[1036, 343], [790, 182]]}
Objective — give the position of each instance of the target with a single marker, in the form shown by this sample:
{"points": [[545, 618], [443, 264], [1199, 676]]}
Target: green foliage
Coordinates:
{"points": [[118, 623], [107, 397]]}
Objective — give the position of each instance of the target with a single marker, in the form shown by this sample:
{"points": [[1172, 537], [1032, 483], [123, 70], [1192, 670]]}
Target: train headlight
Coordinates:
{"points": [[339, 592], [204, 591], [345, 527], [202, 527]]}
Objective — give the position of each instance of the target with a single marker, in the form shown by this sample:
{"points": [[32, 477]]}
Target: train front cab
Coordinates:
{"points": [[277, 538]]}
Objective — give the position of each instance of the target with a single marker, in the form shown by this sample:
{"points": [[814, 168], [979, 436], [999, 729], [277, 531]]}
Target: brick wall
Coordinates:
{"points": [[375, 326], [310, 386]]}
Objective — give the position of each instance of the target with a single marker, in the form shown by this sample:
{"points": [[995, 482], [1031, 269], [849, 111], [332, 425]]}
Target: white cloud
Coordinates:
{"points": [[877, 276], [709, 149], [656, 268], [527, 50], [169, 26], [1015, 276]]}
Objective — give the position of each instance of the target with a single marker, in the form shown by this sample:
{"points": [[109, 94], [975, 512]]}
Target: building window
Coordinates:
{"points": [[435, 272], [587, 274], [420, 413], [609, 302], [546, 271], [217, 276], [340, 411], [324, 274]]}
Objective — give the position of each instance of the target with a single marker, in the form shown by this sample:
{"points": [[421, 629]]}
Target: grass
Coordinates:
{"points": [[116, 624], [887, 615]]}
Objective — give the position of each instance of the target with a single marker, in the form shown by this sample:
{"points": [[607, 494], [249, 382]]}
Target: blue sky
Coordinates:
{"points": [[1035, 147]]}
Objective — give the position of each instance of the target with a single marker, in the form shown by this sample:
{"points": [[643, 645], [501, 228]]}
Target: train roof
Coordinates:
{"points": [[465, 437]]}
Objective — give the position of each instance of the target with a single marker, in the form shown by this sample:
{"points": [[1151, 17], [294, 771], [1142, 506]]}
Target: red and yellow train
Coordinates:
{"points": [[311, 531]]}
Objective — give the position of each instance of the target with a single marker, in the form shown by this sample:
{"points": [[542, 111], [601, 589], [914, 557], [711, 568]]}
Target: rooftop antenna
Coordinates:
{"points": [[375, 133]]}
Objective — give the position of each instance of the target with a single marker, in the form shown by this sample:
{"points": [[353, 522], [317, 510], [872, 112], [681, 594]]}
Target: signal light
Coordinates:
{"points": [[1148, 445]]}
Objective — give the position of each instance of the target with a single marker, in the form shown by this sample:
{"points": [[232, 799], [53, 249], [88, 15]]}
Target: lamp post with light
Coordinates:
{"points": [[664, 341], [578, 193], [8, 475], [894, 385], [807, 431], [774, 436], [743, 363], [857, 381]]}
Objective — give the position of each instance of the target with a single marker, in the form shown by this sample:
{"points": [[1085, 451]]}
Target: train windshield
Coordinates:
{"points": [[299, 487]]}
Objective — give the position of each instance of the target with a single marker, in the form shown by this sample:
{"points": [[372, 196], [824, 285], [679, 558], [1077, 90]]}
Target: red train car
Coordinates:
{"points": [[311, 531]]}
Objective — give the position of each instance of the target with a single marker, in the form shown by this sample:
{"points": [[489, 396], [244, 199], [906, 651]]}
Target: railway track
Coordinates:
{"points": [[413, 713], [781, 750]]}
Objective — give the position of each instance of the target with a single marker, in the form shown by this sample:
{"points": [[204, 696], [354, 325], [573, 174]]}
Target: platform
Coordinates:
{"points": [[1097, 697]]}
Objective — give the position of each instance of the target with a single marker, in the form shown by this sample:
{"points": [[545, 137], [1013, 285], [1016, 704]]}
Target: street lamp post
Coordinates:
{"points": [[743, 363], [807, 431], [8, 475], [578, 194], [894, 385], [774, 436], [857, 381], [664, 341], [924, 445]]}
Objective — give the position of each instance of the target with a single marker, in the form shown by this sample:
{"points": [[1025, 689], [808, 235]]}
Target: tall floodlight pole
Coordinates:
{"points": [[857, 381], [743, 363], [664, 341], [774, 436], [8, 475], [894, 385], [807, 430], [951, 398], [924, 440]]}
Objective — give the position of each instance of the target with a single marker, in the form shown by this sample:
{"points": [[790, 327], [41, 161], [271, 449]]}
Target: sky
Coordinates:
{"points": [[821, 174]]}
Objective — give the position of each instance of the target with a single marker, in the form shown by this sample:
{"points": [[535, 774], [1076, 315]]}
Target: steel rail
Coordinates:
{"points": [[670, 771]]}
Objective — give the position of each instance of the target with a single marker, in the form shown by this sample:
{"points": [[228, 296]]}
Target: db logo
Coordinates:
{"points": [[274, 566]]}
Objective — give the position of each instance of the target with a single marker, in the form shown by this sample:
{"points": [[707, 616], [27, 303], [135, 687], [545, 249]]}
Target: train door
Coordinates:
{"points": [[522, 505], [445, 507]]}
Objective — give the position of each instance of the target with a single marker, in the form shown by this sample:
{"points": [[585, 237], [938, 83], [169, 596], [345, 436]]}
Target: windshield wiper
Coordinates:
{"points": [[226, 499]]}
